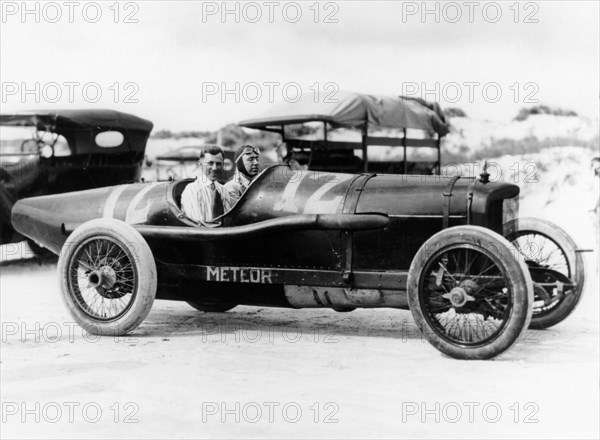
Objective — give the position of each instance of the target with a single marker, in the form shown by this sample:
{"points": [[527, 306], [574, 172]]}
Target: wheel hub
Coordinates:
{"points": [[105, 277], [460, 295]]}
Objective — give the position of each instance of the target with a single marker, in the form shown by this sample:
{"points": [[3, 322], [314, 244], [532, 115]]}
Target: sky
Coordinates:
{"points": [[201, 65]]}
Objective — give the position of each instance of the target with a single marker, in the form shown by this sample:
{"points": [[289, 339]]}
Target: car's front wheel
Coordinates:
{"points": [[107, 276], [555, 265], [469, 295]]}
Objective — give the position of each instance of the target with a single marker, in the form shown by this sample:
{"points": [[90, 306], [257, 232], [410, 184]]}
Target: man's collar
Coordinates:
{"points": [[242, 178], [203, 180]]}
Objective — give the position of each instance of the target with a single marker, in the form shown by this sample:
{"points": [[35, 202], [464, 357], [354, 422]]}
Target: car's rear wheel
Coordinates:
{"points": [[211, 307], [469, 295], [555, 265], [107, 277]]}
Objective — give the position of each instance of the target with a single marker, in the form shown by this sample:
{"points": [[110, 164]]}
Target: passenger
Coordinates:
{"points": [[246, 163], [205, 199]]}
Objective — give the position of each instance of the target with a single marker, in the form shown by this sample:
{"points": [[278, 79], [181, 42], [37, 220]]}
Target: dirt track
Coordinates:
{"points": [[288, 371]]}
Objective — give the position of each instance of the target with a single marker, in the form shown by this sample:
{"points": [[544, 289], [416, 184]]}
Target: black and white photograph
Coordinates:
{"points": [[299, 219]]}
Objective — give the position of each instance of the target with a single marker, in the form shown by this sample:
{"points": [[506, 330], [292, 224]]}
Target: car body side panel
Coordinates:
{"points": [[298, 250]]}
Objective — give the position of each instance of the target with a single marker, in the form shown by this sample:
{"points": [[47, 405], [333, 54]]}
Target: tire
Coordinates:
{"points": [[462, 317], [107, 260], [543, 244], [211, 308]]}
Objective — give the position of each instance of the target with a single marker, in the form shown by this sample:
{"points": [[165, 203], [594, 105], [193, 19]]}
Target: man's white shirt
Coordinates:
{"points": [[197, 199]]}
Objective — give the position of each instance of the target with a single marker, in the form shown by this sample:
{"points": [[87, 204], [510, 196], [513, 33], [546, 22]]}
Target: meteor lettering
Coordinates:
{"points": [[239, 275]]}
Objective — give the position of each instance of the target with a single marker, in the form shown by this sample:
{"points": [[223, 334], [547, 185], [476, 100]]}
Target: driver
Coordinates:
{"points": [[205, 199], [246, 163]]}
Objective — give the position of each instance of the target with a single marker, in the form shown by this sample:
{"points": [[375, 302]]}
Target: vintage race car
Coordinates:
{"points": [[50, 152], [438, 246]]}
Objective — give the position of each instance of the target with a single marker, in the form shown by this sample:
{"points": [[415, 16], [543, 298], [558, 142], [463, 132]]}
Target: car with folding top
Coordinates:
{"points": [[56, 151], [356, 132], [452, 250]]}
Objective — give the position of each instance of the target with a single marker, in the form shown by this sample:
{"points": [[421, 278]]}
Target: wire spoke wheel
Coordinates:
{"points": [[108, 277], [468, 294], [102, 278], [541, 251], [556, 268]]}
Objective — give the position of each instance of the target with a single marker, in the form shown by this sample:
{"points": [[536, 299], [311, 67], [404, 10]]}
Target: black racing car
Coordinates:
{"points": [[452, 250]]}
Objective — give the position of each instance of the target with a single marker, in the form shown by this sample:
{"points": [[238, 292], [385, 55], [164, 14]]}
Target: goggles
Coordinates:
{"points": [[249, 150]]}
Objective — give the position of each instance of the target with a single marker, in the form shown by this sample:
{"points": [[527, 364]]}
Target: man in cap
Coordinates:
{"points": [[205, 199], [246, 169]]}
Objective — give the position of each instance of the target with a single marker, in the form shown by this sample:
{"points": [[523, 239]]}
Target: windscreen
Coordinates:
{"points": [[19, 141]]}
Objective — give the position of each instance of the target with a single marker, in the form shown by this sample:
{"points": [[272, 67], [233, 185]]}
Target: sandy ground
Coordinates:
{"points": [[266, 372]]}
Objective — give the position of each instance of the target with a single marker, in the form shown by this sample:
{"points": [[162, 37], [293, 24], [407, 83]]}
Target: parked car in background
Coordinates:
{"points": [[57, 151], [355, 132]]}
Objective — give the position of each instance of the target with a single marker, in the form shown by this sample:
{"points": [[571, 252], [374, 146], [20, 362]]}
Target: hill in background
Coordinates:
{"points": [[470, 139]]}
